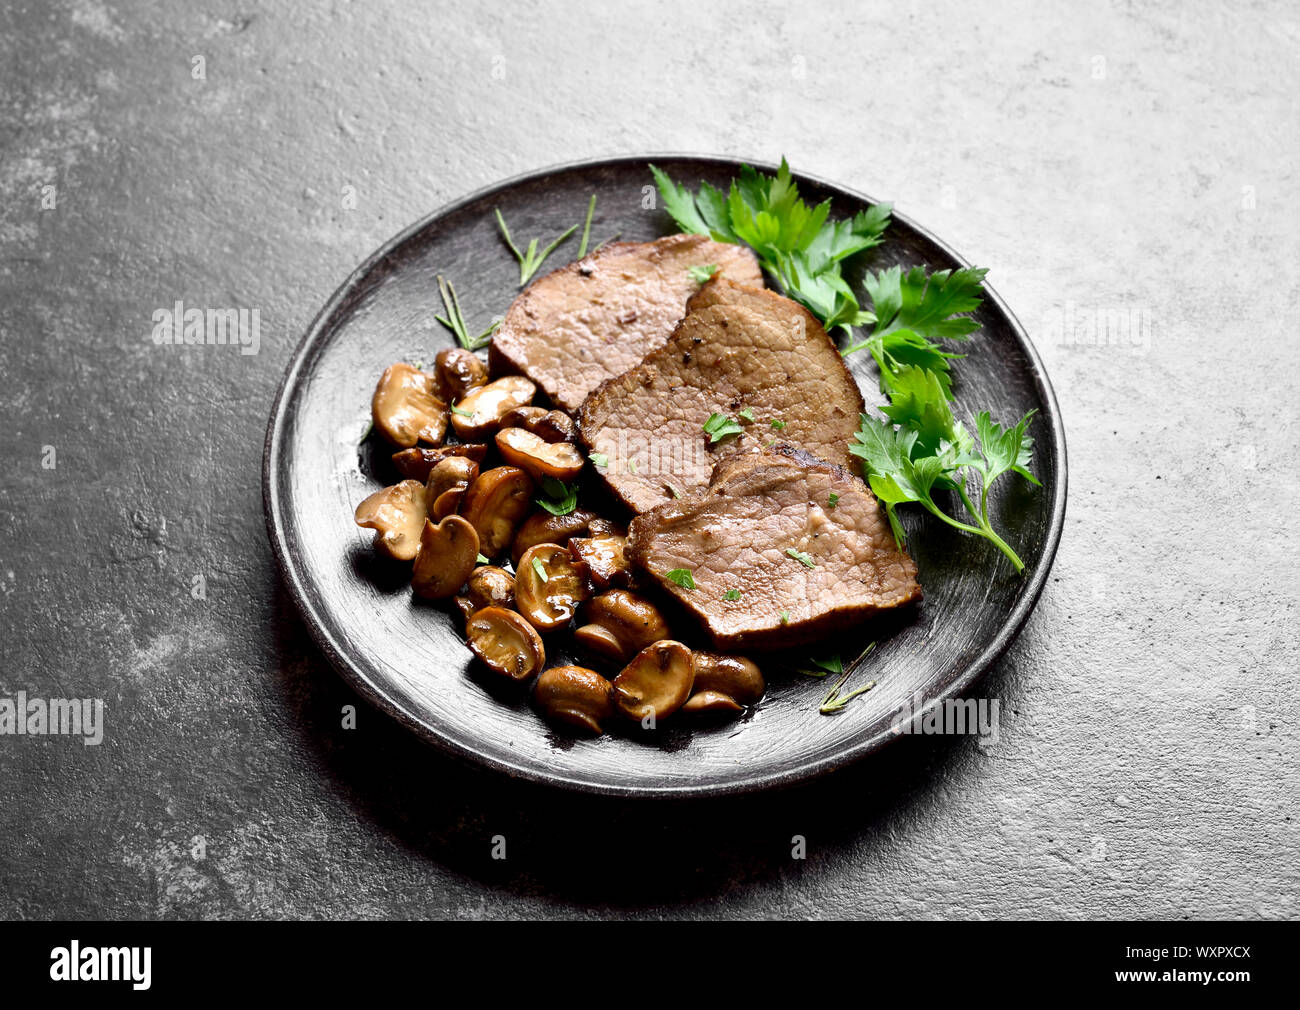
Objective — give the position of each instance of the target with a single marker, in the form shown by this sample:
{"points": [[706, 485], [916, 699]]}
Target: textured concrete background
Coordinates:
{"points": [[1130, 177]]}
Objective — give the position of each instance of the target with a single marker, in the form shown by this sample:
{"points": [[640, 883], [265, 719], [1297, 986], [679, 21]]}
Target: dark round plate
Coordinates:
{"points": [[411, 661]]}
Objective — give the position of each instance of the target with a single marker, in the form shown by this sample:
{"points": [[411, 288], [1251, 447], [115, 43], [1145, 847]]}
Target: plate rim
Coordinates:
{"points": [[311, 343]]}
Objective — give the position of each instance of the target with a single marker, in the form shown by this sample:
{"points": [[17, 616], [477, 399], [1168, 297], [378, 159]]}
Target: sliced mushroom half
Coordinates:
{"points": [[619, 625], [549, 585], [406, 407], [724, 684], [505, 642], [459, 371], [479, 413], [544, 527], [448, 553], [550, 425], [397, 516], [488, 586], [574, 696], [416, 463], [604, 557], [539, 457], [495, 503], [656, 683], [447, 484]]}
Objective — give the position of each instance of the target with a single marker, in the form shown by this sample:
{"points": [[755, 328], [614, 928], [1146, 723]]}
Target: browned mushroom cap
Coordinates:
{"points": [[397, 515], [505, 642], [417, 462], [720, 679], [448, 553], [523, 417], [495, 503], [406, 407], [620, 624], [604, 557], [656, 683], [459, 371], [549, 425], [479, 413], [488, 586], [549, 585], [540, 458], [544, 527], [711, 703], [574, 696], [447, 484]]}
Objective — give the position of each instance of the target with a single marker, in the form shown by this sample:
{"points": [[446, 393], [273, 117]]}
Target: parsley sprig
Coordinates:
{"points": [[919, 448], [797, 244], [558, 498]]}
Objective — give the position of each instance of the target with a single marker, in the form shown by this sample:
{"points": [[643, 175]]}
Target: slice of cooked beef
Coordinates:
{"points": [[738, 347], [596, 318], [765, 529]]}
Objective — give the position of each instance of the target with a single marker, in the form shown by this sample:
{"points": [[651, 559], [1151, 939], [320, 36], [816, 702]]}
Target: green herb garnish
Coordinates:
{"points": [[454, 320], [797, 244], [746, 414], [599, 459], [560, 498], [834, 701], [530, 261], [777, 423], [541, 572], [720, 426], [586, 227], [911, 311], [701, 274], [785, 617], [482, 560], [833, 500], [931, 450], [461, 411], [731, 594], [673, 489], [803, 559], [681, 577]]}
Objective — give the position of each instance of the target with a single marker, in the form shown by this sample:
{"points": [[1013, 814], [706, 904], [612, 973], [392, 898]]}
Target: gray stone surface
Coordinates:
{"points": [[1137, 165]]}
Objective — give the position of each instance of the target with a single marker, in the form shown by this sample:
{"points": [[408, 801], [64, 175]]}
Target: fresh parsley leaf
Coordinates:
{"points": [[929, 451], [482, 560], [720, 426], [454, 320], [797, 244], [461, 411], [681, 577], [746, 414], [529, 262], [785, 617], [540, 570], [731, 594], [560, 498], [599, 459], [803, 559], [833, 500], [778, 424], [701, 274], [912, 311]]}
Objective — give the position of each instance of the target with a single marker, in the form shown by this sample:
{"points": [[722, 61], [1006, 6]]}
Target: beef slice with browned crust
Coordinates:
{"points": [[765, 530], [579, 325], [738, 348]]}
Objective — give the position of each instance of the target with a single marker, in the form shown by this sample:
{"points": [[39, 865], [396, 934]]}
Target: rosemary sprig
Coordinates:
{"points": [[454, 320], [834, 701], [529, 262], [586, 227]]}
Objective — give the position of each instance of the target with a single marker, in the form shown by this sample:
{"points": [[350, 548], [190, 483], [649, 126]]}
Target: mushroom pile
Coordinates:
{"points": [[473, 452]]}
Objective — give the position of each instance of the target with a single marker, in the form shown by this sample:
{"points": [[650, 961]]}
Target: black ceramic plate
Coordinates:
{"points": [[411, 661]]}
